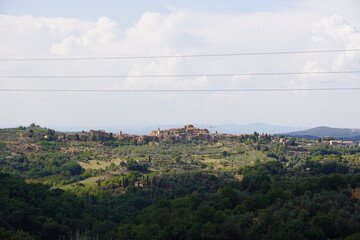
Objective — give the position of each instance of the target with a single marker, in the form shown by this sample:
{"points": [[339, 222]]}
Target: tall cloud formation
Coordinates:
{"points": [[176, 33], [98, 37], [334, 30]]}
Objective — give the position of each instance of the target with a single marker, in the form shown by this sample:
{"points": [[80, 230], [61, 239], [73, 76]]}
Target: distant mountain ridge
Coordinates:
{"points": [[254, 127], [338, 133]]}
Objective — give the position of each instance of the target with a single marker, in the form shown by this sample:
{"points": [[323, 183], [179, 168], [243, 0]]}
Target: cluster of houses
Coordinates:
{"points": [[84, 136], [330, 142], [342, 143], [188, 132]]}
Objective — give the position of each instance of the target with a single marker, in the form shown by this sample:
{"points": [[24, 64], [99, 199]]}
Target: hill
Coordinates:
{"points": [[246, 187], [339, 133], [32, 133]]}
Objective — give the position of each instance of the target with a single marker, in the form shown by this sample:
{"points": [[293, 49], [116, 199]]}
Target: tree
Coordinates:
{"points": [[256, 183], [327, 225], [224, 154], [291, 142], [355, 236], [51, 132], [228, 197], [135, 166], [2, 145], [133, 142]]}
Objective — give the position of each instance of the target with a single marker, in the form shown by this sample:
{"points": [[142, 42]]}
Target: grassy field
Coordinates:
{"points": [[96, 164], [95, 179]]}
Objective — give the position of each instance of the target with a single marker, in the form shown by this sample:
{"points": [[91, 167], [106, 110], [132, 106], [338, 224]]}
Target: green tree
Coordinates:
{"points": [[228, 197], [327, 225], [133, 142]]}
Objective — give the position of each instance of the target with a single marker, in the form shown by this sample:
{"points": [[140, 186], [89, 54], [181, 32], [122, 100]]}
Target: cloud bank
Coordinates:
{"points": [[182, 31]]}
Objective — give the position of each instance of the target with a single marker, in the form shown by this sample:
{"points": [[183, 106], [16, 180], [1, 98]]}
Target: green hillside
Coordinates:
{"points": [[241, 187]]}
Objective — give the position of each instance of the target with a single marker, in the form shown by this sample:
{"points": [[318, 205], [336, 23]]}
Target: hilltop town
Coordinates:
{"points": [[187, 133]]}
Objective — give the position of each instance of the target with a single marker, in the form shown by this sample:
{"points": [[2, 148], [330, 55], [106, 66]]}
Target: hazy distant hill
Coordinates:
{"points": [[339, 133], [251, 128]]}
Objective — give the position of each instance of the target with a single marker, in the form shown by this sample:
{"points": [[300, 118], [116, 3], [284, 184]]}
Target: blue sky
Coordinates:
{"points": [[50, 29]]}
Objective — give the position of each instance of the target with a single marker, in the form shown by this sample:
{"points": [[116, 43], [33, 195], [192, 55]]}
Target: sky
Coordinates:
{"points": [[108, 28]]}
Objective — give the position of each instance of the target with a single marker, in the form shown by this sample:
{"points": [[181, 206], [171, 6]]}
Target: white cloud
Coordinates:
{"points": [[25, 35], [100, 38], [331, 32], [154, 33], [335, 31], [161, 34]]}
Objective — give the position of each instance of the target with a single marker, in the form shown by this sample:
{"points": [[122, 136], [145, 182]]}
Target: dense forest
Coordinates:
{"points": [[243, 187]]}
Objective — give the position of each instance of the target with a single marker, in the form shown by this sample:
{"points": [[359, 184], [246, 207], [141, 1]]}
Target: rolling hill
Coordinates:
{"points": [[338, 133]]}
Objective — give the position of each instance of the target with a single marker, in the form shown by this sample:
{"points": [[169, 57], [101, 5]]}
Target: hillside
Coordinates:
{"points": [[339, 133], [30, 134], [241, 187]]}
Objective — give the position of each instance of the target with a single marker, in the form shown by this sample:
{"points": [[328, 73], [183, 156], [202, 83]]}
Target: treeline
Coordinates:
{"points": [[268, 204], [37, 165], [34, 211]]}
